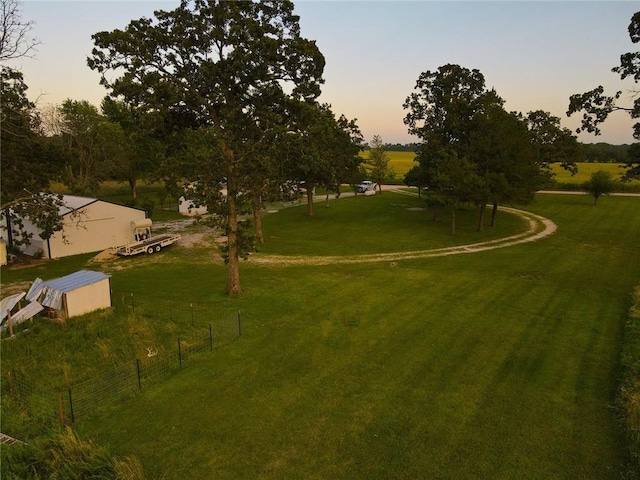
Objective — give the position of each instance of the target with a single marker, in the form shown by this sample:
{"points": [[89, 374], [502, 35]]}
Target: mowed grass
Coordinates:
{"points": [[381, 223], [494, 365]]}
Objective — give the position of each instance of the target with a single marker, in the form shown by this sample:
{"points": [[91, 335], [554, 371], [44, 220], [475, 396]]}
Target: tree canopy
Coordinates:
{"points": [[28, 163], [552, 143], [15, 39], [218, 66], [597, 106], [472, 151]]}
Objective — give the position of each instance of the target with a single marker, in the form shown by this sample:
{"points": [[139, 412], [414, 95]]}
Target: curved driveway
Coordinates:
{"points": [[537, 227]]}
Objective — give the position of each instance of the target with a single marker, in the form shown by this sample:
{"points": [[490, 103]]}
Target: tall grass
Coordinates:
{"points": [[630, 384]]}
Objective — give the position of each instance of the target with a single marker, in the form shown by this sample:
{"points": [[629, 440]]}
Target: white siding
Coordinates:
{"points": [[88, 298], [101, 225]]}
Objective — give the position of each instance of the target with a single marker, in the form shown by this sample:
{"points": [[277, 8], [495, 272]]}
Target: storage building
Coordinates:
{"points": [[90, 225], [73, 295]]}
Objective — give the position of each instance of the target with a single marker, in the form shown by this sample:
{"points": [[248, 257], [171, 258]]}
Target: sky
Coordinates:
{"points": [[535, 54]]}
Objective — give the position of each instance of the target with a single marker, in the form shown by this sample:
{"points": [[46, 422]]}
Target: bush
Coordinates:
{"points": [[65, 456]]}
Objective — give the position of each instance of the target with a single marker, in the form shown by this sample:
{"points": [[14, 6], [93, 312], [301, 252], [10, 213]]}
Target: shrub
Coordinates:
{"points": [[64, 455]]}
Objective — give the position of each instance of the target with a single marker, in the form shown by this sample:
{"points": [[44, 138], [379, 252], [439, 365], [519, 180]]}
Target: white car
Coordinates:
{"points": [[366, 186]]}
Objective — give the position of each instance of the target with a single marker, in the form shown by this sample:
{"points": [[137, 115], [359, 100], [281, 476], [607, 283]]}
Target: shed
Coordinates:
{"points": [[90, 225], [73, 295]]}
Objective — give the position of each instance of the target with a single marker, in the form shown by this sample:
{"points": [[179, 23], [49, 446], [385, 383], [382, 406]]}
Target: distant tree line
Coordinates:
{"points": [[600, 152], [604, 153], [397, 147]]}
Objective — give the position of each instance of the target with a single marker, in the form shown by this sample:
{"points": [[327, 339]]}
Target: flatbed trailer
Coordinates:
{"points": [[151, 245]]}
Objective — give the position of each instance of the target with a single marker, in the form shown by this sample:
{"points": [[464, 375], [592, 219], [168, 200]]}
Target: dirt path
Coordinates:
{"points": [[537, 228]]}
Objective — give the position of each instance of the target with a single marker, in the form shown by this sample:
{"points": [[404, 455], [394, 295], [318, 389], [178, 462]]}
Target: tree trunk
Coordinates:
{"points": [[494, 213], [453, 221], [233, 259], [233, 278], [310, 210], [257, 219], [9, 228], [134, 189], [483, 207]]}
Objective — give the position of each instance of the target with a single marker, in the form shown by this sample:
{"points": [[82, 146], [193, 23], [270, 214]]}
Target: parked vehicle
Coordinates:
{"points": [[145, 242], [366, 186]]}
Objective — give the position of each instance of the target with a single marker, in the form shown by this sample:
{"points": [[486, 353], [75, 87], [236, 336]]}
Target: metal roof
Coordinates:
{"points": [[72, 202], [75, 280]]}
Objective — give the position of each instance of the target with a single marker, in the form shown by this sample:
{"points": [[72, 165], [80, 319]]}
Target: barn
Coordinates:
{"points": [[90, 225], [73, 295]]}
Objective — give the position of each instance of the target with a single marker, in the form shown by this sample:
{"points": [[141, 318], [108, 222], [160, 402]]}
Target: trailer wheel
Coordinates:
{"points": [[150, 250], [158, 248]]}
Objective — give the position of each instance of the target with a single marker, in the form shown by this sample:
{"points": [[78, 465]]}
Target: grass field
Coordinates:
{"points": [[401, 162], [494, 365], [585, 170]]}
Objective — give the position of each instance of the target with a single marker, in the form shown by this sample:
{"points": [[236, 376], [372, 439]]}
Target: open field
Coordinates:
{"points": [[401, 162], [491, 365], [586, 169]]}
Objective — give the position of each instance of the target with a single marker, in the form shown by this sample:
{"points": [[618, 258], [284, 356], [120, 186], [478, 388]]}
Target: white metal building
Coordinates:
{"points": [[73, 295], [90, 225]]}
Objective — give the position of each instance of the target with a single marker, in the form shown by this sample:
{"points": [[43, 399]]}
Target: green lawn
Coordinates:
{"points": [[493, 365]]}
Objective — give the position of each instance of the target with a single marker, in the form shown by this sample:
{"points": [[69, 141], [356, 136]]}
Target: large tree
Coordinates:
{"points": [[323, 149], [28, 163], [552, 143], [142, 151], [443, 112], [505, 160], [93, 146], [597, 106], [213, 65]]}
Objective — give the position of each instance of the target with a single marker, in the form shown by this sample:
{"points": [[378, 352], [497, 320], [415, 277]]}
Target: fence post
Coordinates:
{"points": [[210, 337], [73, 418], [239, 323], [179, 354], [138, 372]]}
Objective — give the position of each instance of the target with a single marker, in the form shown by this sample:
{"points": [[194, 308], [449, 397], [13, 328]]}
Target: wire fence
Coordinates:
{"points": [[82, 398]]}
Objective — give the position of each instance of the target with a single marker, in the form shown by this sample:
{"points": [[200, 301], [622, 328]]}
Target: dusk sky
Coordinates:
{"points": [[535, 54]]}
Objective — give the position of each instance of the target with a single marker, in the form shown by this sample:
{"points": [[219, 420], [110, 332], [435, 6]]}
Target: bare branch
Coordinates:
{"points": [[15, 41]]}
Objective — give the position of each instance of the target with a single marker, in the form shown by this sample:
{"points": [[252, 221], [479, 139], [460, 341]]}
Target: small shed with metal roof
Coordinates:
{"points": [[90, 225], [73, 295]]}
